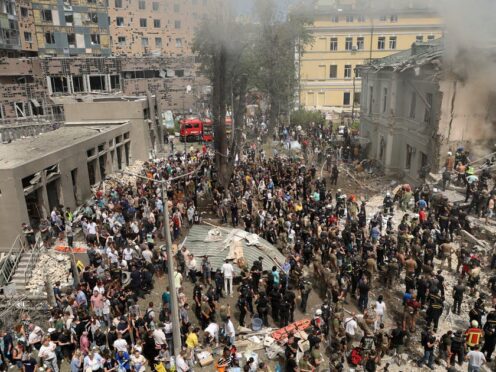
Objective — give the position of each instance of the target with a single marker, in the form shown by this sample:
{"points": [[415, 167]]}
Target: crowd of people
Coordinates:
{"points": [[384, 288]]}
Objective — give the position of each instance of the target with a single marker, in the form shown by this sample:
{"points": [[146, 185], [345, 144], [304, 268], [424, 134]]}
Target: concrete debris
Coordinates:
{"points": [[56, 266]]}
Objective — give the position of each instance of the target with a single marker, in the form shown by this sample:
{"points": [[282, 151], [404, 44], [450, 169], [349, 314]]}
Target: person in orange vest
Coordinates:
{"points": [[473, 335]]}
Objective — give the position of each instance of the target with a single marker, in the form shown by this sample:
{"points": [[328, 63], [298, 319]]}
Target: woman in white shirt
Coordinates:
{"points": [[380, 309]]}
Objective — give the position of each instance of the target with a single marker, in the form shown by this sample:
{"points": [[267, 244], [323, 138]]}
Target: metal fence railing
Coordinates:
{"points": [[11, 259]]}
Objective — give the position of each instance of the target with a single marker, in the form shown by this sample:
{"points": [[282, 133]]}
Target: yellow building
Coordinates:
{"points": [[349, 34]]}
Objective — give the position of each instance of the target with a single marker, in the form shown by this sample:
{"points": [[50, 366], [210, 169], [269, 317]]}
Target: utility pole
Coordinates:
{"points": [[176, 328]]}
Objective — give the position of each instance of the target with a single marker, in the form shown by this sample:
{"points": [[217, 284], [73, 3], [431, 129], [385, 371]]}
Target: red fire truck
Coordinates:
{"points": [[194, 129]]}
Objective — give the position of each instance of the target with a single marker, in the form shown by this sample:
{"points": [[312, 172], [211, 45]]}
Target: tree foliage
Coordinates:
{"points": [[304, 118]]}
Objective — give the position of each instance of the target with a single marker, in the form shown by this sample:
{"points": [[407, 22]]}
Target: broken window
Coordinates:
{"points": [[119, 21], [381, 43], [371, 97], [334, 43], [24, 11], [346, 98], [52, 171], [71, 40], [69, 19], [95, 39], [392, 42], [90, 153], [36, 108], [409, 156], [77, 84], [360, 43], [97, 82], [347, 71], [101, 147], [93, 17], [59, 84], [20, 109], [91, 172], [49, 38], [348, 45], [115, 82], [46, 15], [333, 71], [30, 181], [428, 108], [413, 105]]}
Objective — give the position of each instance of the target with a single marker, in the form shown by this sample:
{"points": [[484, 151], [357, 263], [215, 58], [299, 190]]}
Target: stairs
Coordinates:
{"points": [[18, 279]]}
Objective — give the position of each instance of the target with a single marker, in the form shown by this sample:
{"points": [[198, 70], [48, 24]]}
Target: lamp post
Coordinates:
{"points": [[176, 333]]}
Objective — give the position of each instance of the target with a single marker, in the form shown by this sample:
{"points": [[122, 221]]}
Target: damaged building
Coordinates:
{"points": [[28, 85], [416, 107]]}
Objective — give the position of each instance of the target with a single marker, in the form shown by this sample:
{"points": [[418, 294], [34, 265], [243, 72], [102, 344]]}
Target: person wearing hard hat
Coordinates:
{"points": [[473, 335]]}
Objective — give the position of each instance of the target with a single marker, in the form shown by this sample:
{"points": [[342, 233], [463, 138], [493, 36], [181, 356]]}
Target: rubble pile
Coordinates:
{"points": [[56, 266]]}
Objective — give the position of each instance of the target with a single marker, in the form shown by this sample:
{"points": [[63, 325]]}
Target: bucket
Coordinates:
{"points": [[256, 324]]}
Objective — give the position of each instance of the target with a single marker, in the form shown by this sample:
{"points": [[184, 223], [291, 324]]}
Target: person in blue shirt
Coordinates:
{"points": [[123, 361], [275, 276]]}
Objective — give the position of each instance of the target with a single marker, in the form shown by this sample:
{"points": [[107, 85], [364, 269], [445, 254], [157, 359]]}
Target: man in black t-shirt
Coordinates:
{"points": [[29, 364]]}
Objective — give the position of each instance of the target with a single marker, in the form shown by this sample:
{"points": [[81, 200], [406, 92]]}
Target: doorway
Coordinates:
{"points": [[53, 194]]}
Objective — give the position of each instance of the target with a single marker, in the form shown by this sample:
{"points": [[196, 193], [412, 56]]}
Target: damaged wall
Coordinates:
{"points": [[467, 117]]}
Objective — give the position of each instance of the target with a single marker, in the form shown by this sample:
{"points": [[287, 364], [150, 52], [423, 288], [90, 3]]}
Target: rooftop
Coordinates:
{"points": [[25, 150]]}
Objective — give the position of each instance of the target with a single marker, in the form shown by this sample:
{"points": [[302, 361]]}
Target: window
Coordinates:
{"points": [[424, 160], [155, 6], [348, 45], [97, 83], [142, 4], [382, 18], [28, 37], [77, 84], [419, 39], [381, 43], [24, 11], [349, 19], [119, 21], [158, 42], [430, 37], [361, 19], [428, 108], [179, 73], [360, 43], [20, 109], [95, 39], [356, 98], [335, 19], [177, 25], [177, 8], [115, 81], [394, 18], [156, 23], [69, 19], [179, 43], [49, 38], [144, 42], [46, 15], [334, 43], [347, 71], [384, 99], [392, 42], [346, 98], [413, 105], [118, 3], [121, 40], [409, 156], [371, 97], [93, 17], [333, 71], [358, 72], [91, 1], [59, 84], [71, 40], [142, 22]]}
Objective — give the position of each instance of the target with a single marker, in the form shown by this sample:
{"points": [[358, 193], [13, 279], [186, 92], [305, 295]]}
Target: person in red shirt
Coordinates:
{"points": [[422, 216]]}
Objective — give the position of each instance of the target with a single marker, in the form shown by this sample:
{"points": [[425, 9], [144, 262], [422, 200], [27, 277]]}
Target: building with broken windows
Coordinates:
{"points": [[417, 105], [28, 85], [59, 167]]}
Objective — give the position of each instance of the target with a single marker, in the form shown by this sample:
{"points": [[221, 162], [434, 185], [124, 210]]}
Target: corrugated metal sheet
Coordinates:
{"points": [[218, 251]]}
